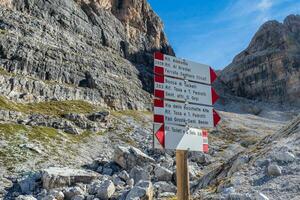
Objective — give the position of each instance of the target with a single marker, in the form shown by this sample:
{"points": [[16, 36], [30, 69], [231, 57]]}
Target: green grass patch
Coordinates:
{"points": [[49, 107], [138, 116], [8, 131], [59, 107], [249, 141], [3, 32], [83, 136], [51, 142], [5, 73], [8, 105]]}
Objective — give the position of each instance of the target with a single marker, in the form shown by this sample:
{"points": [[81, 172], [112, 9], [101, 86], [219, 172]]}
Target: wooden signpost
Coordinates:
{"points": [[182, 107]]}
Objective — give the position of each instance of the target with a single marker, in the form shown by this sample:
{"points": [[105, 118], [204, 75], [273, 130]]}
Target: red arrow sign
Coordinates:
{"points": [[214, 96], [183, 90], [181, 68], [160, 135], [197, 116], [213, 75], [217, 117]]}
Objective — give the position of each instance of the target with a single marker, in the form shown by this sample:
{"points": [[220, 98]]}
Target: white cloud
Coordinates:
{"points": [[264, 5]]}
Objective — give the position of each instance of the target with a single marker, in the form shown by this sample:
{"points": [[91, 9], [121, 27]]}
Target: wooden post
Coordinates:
{"points": [[182, 174]]}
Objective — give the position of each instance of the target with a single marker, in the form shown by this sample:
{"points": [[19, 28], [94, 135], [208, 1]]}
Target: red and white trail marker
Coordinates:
{"points": [[181, 90], [197, 116], [183, 103], [180, 68], [181, 138]]}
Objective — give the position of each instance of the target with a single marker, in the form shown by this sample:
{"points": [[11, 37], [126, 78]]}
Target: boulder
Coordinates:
{"points": [[193, 171], [238, 164], [138, 173], [238, 196], [79, 119], [93, 187], [32, 147], [163, 174], [166, 161], [78, 197], [49, 197], [106, 190], [162, 187], [107, 171], [58, 195], [130, 182], [274, 170], [25, 197], [29, 183], [118, 181], [284, 157], [198, 157], [167, 195], [99, 116], [143, 190], [124, 175], [90, 197], [70, 193], [129, 157], [55, 177]]}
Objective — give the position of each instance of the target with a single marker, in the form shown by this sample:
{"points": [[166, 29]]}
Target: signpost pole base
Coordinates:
{"points": [[182, 174]]}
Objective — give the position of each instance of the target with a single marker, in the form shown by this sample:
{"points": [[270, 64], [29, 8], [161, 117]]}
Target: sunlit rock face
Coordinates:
{"points": [[6, 3], [269, 68], [95, 50]]}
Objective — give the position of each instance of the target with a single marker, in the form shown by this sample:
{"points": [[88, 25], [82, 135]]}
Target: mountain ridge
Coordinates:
{"points": [[268, 69]]}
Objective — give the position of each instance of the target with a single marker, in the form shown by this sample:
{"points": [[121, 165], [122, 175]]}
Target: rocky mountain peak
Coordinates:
{"points": [[268, 69], [273, 35], [137, 16], [292, 21]]}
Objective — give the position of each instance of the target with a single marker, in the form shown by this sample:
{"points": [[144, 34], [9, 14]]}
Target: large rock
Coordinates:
{"points": [[284, 156], [138, 173], [124, 175], [29, 183], [142, 191], [129, 157], [55, 177], [274, 170], [163, 174], [58, 195], [106, 190], [162, 187], [99, 116], [70, 193], [25, 197]]}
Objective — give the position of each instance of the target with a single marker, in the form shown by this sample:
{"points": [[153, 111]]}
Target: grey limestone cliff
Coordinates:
{"points": [[95, 50], [269, 68]]}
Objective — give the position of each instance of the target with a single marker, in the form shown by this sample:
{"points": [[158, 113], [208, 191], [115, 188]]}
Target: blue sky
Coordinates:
{"points": [[214, 31]]}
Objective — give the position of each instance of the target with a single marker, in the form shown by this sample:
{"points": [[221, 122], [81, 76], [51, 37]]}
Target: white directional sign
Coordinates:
{"points": [[181, 68], [183, 103], [196, 116], [181, 138], [181, 90]]}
